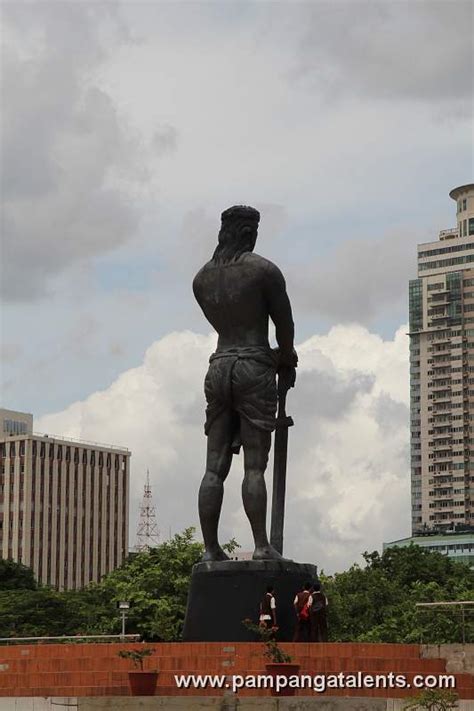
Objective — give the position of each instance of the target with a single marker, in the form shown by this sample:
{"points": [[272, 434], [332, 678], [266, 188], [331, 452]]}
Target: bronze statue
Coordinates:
{"points": [[238, 292]]}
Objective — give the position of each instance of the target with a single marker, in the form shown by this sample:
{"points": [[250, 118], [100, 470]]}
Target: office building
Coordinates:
{"points": [[441, 306], [63, 504], [456, 545]]}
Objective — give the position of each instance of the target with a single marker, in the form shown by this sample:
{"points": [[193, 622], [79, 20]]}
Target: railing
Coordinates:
{"points": [[87, 442], [465, 607], [71, 638], [452, 232]]}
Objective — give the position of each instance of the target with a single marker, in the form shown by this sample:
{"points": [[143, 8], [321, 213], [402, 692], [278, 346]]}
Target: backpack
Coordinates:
{"points": [[319, 602], [304, 612]]}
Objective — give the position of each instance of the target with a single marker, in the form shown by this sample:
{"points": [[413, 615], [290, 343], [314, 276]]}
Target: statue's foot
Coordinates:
{"points": [[267, 552], [215, 553]]}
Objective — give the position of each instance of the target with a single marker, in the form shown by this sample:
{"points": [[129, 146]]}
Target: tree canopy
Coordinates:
{"points": [[377, 603], [14, 576]]}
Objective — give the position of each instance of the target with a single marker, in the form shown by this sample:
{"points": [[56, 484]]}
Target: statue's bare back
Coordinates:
{"points": [[239, 292], [235, 299]]}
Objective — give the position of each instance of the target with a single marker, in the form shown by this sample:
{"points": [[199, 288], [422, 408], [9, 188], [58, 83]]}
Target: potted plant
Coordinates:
{"points": [[280, 663], [432, 700], [142, 683]]}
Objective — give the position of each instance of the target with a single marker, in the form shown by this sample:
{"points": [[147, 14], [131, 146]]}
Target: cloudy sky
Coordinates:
{"points": [[127, 129]]}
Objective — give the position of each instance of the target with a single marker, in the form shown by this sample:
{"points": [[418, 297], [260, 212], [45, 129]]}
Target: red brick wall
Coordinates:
{"points": [[96, 670]]}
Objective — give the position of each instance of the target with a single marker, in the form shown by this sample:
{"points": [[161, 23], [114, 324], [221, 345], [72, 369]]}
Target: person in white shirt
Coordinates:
{"points": [[268, 609]]}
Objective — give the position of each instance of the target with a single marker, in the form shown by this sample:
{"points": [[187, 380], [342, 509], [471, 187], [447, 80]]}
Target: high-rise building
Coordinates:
{"points": [[441, 304], [63, 504]]}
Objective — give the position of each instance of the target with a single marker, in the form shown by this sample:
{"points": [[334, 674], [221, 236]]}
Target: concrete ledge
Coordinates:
{"points": [[232, 703], [213, 703], [459, 657]]}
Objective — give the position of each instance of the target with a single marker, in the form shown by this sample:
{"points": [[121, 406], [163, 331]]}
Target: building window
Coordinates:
{"points": [[444, 250], [440, 263], [415, 297], [471, 225], [14, 427]]}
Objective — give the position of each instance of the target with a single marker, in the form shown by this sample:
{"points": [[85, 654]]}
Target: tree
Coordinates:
{"points": [[432, 700], [35, 613], [156, 583], [15, 576], [377, 603]]}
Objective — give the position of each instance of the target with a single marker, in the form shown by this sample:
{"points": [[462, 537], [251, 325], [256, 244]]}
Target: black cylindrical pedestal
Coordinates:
{"points": [[222, 594]]}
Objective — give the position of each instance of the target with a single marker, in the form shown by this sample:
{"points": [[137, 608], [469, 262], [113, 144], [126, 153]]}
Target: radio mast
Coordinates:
{"points": [[148, 535]]}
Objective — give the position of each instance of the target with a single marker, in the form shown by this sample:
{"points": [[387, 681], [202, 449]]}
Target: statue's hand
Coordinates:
{"points": [[286, 378], [286, 359]]}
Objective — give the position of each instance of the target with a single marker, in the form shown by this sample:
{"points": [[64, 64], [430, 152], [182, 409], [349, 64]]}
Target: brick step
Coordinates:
{"points": [[210, 649], [57, 677], [203, 665], [222, 666], [66, 691]]}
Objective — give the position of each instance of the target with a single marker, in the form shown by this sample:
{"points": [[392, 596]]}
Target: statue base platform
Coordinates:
{"points": [[224, 593]]}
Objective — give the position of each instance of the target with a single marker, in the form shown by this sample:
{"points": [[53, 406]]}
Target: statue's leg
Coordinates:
{"points": [[211, 492], [256, 444]]}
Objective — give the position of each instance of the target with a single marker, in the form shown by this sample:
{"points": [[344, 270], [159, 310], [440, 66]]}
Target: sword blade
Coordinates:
{"points": [[279, 487]]}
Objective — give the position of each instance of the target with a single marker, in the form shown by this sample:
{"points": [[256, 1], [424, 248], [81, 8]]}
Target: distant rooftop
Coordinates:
{"points": [[86, 442], [14, 423], [456, 192], [67, 440]]}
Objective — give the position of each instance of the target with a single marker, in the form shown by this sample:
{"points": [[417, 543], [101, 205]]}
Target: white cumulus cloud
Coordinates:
{"points": [[348, 471]]}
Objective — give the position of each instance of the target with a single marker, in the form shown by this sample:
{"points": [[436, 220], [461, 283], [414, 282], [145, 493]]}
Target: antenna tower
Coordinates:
{"points": [[148, 535]]}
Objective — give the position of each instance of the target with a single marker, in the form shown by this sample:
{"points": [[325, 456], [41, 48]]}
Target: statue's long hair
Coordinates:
{"points": [[238, 233]]}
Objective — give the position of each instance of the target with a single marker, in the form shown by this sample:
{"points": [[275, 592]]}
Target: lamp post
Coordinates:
{"points": [[124, 607]]}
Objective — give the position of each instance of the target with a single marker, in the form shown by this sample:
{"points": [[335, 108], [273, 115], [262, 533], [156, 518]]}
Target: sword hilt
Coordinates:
{"points": [[282, 389], [283, 421]]}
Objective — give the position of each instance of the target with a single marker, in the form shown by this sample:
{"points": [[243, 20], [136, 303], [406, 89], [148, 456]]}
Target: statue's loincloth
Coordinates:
{"points": [[243, 381]]}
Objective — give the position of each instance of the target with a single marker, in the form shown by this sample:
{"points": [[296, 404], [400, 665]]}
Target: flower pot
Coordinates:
{"points": [[142, 683], [282, 669]]}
